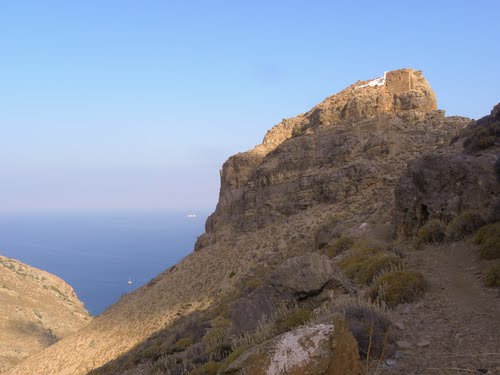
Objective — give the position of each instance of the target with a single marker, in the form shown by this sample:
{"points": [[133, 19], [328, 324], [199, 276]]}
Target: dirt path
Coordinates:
{"points": [[455, 329]]}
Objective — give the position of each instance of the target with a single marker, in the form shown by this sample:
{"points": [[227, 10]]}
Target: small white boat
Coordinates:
{"points": [[129, 282], [191, 216]]}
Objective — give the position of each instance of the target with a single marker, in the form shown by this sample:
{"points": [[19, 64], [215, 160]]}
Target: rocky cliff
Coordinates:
{"points": [[327, 172], [461, 177], [352, 144], [37, 309]]}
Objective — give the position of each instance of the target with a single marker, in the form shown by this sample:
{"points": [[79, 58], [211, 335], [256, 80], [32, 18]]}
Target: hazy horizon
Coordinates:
{"points": [[126, 105]]}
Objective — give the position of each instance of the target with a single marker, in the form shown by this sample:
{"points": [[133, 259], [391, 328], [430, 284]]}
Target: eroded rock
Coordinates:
{"points": [[320, 349]]}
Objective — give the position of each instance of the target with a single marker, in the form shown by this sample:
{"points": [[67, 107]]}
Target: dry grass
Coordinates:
{"points": [[464, 225], [492, 276], [363, 264], [398, 287], [488, 238], [433, 231], [339, 246]]}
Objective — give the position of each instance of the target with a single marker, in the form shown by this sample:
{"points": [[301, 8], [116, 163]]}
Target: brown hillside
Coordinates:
{"points": [[37, 309]]}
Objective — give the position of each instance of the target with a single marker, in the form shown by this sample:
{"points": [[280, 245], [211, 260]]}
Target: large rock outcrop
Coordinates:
{"points": [[37, 309], [305, 275], [461, 177], [356, 140]]}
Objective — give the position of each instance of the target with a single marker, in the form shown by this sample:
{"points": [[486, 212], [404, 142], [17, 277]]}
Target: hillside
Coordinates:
{"points": [[37, 309], [276, 250]]}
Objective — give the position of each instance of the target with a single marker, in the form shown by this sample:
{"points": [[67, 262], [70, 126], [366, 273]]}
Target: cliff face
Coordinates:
{"points": [[463, 176], [342, 158], [37, 309], [352, 144]]}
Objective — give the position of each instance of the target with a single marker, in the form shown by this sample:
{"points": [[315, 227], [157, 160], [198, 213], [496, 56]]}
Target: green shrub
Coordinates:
{"points": [[433, 231], [183, 343], [209, 368], [492, 276], [289, 321], [370, 329], [338, 246], [398, 287], [463, 225], [488, 238], [364, 264]]}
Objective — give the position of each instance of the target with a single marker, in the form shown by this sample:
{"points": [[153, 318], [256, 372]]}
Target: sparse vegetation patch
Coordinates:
{"points": [[363, 264], [339, 246], [398, 287], [488, 238], [463, 225], [492, 276], [370, 328], [433, 231]]}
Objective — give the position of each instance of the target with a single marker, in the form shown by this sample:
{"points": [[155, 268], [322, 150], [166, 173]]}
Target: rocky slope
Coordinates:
{"points": [[37, 309], [329, 171], [461, 177]]}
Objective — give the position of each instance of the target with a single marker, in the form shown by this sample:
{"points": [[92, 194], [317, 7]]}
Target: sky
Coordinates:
{"points": [[135, 104]]}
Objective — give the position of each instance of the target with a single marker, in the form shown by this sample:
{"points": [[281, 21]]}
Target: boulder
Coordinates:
{"points": [[305, 275], [317, 349], [248, 311]]}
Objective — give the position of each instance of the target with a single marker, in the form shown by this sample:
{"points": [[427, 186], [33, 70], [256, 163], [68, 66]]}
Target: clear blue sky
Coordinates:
{"points": [[123, 104]]}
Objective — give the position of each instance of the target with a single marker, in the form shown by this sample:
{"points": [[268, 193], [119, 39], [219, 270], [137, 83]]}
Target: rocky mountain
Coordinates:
{"points": [[37, 309], [304, 231]]}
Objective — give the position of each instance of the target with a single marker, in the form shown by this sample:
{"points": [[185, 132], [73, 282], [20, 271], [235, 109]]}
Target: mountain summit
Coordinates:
{"points": [[371, 125]]}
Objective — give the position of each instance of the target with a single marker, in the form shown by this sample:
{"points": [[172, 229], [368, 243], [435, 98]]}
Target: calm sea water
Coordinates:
{"points": [[97, 254]]}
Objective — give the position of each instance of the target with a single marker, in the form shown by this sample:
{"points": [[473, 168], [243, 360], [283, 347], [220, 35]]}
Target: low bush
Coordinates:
{"points": [[209, 368], [398, 287], [433, 231], [488, 238], [339, 246], [364, 264], [492, 276], [464, 225], [370, 328], [183, 343]]}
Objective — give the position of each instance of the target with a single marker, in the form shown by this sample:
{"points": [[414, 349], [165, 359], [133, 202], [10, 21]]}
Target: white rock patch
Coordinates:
{"points": [[296, 348], [375, 82]]}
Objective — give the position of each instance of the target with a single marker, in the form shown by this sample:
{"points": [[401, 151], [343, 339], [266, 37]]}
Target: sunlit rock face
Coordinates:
{"points": [[357, 140]]}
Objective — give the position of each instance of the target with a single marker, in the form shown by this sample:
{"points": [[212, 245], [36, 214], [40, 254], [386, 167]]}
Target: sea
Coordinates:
{"points": [[101, 255]]}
